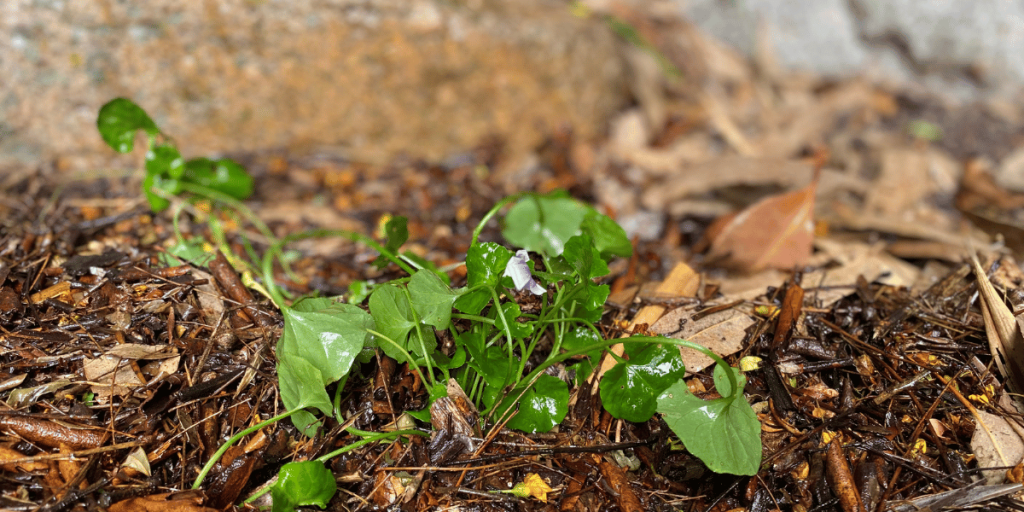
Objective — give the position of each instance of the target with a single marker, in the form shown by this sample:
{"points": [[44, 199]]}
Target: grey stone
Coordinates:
{"points": [[809, 35]]}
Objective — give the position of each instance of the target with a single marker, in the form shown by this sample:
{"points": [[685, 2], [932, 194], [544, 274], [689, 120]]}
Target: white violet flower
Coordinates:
{"points": [[519, 270]]}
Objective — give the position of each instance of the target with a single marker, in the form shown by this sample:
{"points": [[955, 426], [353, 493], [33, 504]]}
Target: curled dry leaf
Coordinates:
{"points": [[995, 443], [1004, 336], [775, 232]]}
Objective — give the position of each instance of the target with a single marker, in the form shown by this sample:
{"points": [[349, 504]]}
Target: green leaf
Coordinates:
{"points": [[431, 299], [165, 160], [118, 121], [721, 377], [393, 316], [543, 224], [578, 338], [485, 265], [327, 334], [491, 363], [223, 175], [724, 433], [584, 258], [301, 387], [396, 233], [158, 182], [542, 406], [512, 311], [609, 237], [630, 389], [358, 291], [192, 250], [302, 483]]}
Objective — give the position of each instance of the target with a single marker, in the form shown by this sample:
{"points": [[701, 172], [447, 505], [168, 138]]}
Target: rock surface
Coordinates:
{"points": [[962, 48], [366, 78]]}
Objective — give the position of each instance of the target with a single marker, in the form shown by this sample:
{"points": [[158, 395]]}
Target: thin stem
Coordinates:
{"points": [[234, 439], [474, 318], [419, 335], [368, 440], [504, 321], [408, 356], [324, 458], [275, 249]]}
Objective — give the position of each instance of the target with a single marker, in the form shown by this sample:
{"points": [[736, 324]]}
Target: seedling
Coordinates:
{"points": [[560, 246], [167, 173]]}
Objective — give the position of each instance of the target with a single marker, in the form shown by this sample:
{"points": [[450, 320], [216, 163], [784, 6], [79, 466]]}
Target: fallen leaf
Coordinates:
{"points": [[9, 454], [184, 501], [775, 232], [536, 486], [722, 333], [903, 182], [995, 443], [1004, 335]]}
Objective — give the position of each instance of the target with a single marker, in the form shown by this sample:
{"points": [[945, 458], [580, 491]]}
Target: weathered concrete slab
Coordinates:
{"points": [[370, 78]]}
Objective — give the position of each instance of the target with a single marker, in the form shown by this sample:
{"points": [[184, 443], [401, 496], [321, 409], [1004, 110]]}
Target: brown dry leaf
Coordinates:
{"points": [[775, 232], [726, 171], [184, 501], [995, 443], [989, 207], [8, 454], [1004, 335], [903, 183], [722, 333], [112, 373]]}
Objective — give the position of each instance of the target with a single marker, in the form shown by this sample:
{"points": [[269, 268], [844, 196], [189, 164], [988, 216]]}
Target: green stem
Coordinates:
{"points": [[408, 356], [504, 321], [368, 440], [474, 318], [347, 448], [268, 257], [419, 335], [235, 204], [234, 439]]}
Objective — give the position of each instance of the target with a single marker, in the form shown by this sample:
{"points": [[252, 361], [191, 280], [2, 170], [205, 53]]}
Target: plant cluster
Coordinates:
{"points": [[519, 314]]}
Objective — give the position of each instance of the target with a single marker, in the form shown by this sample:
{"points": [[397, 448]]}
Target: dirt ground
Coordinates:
{"points": [[828, 228]]}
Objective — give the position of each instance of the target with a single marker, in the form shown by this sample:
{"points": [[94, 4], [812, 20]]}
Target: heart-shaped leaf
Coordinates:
{"points": [[543, 224], [394, 318], [119, 119], [327, 334], [630, 389], [724, 433], [485, 266], [542, 406], [609, 237], [164, 159], [578, 338], [392, 313], [223, 175], [302, 483], [511, 311], [491, 363], [301, 386], [584, 258], [431, 298]]}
